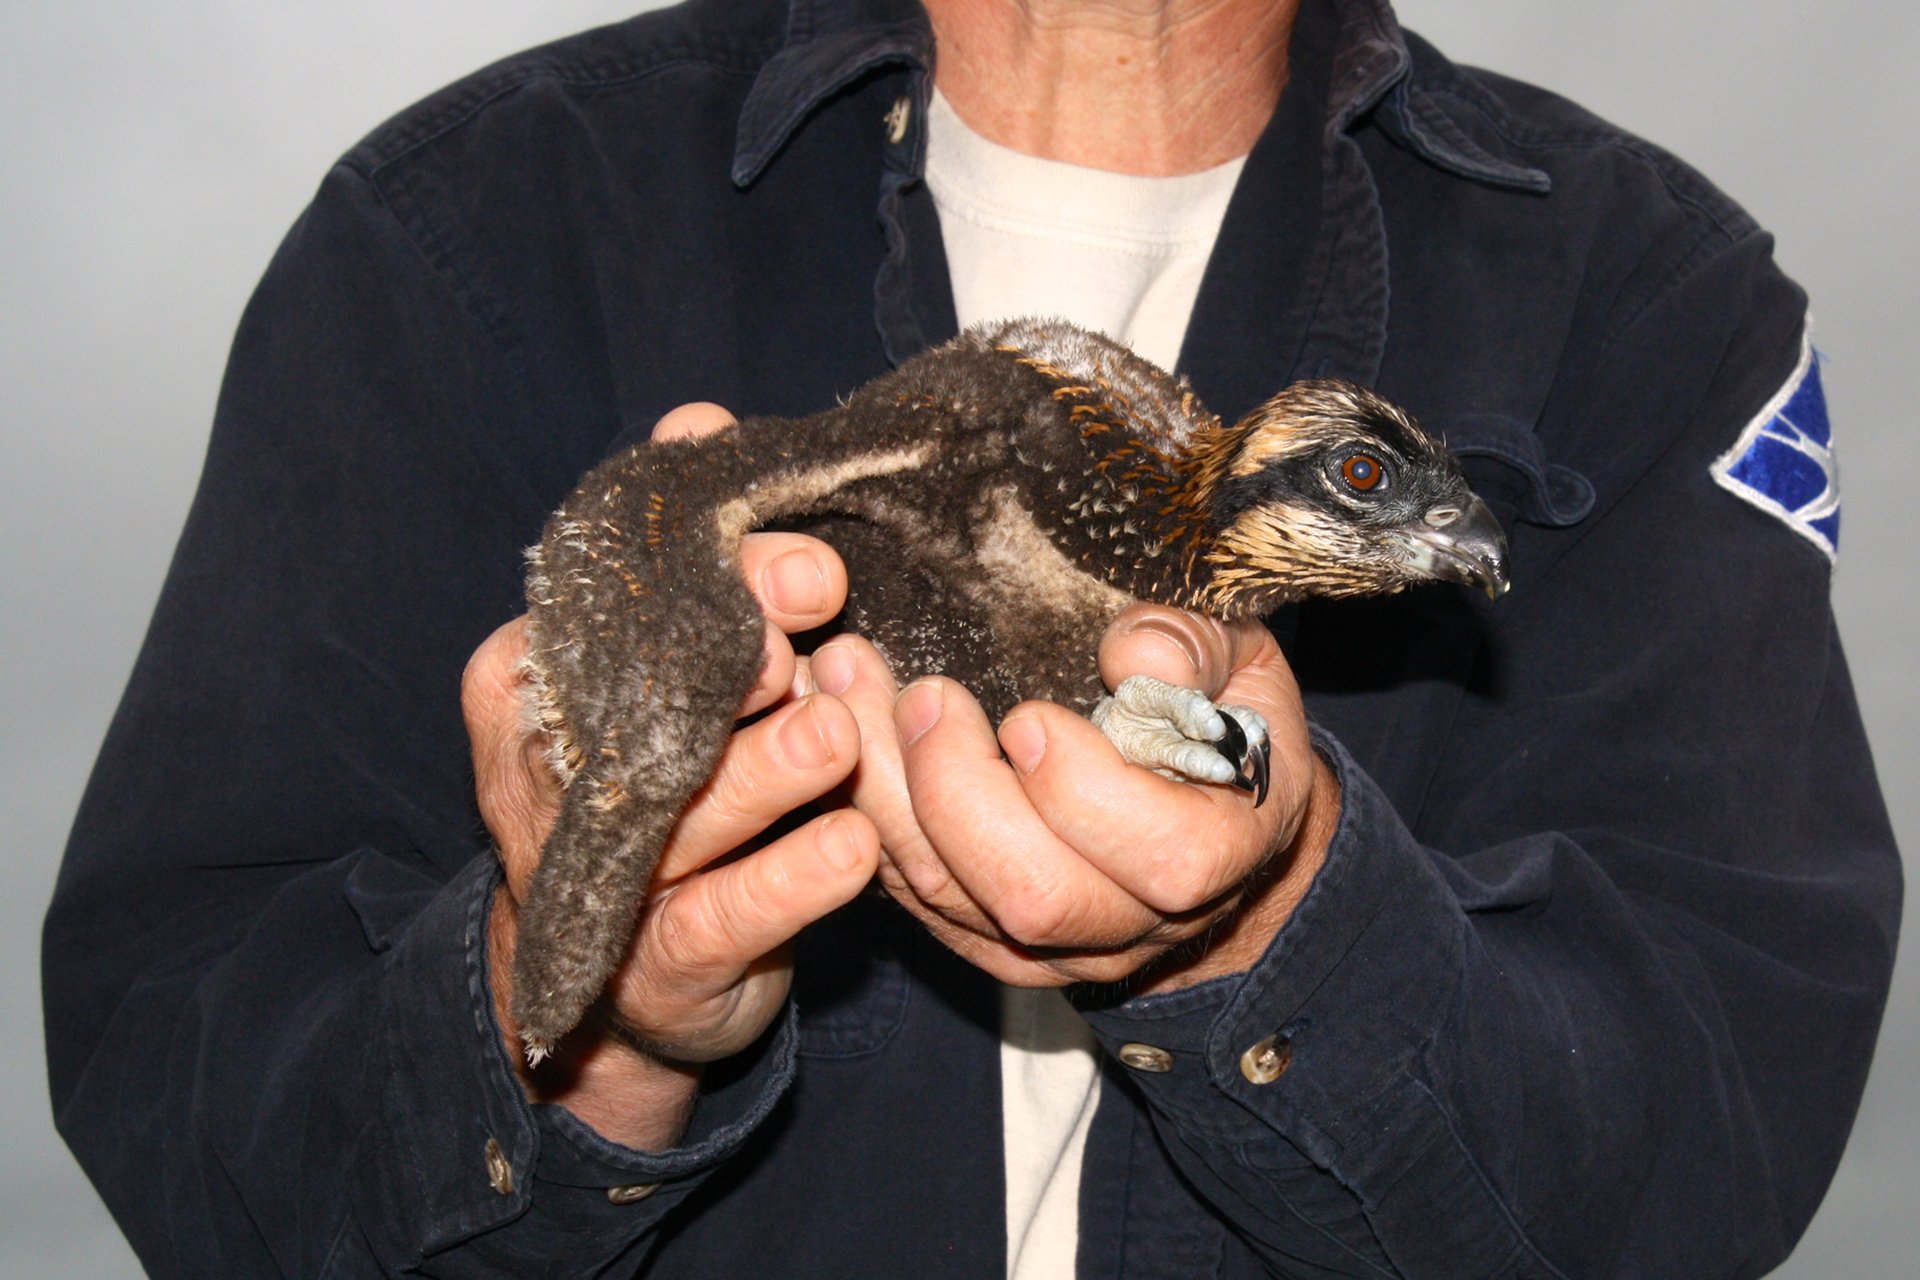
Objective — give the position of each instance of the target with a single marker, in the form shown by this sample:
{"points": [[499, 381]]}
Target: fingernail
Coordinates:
{"points": [[833, 669], [1178, 637], [1024, 739], [795, 583], [803, 740], [917, 709], [837, 845]]}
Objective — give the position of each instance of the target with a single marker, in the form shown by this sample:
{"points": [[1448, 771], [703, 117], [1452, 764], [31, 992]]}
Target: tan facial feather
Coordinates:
{"points": [[1308, 416], [1273, 555]]}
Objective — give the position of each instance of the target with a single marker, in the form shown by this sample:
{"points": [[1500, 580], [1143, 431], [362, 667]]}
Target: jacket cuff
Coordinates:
{"points": [[1317, 1057], [499, 1178], [1359, 975]]}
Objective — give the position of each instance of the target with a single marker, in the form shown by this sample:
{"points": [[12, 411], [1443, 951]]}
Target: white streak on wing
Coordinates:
{"points": [[797, 490], [1022, 570]]}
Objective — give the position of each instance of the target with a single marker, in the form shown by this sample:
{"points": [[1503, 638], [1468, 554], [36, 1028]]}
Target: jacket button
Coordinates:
{"points": [[499, 1171], [633, 1194], [1145, 1057], [1267, 1060], [897, 116]]}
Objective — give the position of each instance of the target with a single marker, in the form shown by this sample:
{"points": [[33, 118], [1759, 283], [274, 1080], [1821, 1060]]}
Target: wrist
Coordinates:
{"points": [[1272, 895], [613, 1085]]}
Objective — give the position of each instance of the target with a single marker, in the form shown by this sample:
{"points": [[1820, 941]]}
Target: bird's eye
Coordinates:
{"points": [[1363, 472]]}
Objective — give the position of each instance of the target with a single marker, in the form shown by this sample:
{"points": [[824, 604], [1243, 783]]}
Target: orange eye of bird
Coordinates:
{"points": [[1362, 472]]}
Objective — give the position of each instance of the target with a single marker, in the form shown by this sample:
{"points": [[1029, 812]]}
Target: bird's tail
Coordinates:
{"points": [[644, 639], [579, 914]]}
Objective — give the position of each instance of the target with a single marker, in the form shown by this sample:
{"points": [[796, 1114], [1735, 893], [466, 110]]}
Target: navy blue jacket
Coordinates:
{"points": [[1588, 985]]}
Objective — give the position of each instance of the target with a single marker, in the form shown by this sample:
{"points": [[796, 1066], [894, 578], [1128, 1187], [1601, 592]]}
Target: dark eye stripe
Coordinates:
{"points": [[1361, 471]]}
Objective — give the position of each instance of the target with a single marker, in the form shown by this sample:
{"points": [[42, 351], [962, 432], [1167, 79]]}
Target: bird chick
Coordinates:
{"points": [[997, 500]]}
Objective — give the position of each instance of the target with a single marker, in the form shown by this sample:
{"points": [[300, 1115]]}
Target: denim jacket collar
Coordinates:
{"points": [[830, 43]]}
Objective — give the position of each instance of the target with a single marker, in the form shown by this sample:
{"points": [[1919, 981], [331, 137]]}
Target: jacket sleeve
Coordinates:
{"points": [[269, 1037], [1601, 1000]]}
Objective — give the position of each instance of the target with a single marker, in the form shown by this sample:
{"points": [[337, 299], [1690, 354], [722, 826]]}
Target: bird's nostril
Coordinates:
{"points": [[1441, 517]]}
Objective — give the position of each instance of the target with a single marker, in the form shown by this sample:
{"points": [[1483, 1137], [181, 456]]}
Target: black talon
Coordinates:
{"points": [[1233, 746], [1250, 762]]}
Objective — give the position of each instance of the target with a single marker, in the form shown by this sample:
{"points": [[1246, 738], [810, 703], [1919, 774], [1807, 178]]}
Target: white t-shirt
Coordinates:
{"points": [[1123, 255]]}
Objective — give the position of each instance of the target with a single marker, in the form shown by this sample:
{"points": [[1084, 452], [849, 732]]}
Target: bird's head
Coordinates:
{"points": [[1328, 489]]}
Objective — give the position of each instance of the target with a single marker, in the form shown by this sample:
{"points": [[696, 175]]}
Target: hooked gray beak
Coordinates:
{"points": [[1461, 544]]}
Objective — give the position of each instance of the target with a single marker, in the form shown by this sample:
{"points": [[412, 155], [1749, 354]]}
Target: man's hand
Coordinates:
{"points": [[708, 967], [1063, 863]]}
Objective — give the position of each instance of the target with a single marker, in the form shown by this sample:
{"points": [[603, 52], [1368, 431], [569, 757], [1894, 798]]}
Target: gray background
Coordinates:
{"points": [[152, 155]]}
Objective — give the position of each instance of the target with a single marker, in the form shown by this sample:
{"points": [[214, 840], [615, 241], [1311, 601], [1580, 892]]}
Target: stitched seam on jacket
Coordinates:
{"points": [[379, 151], [1687, 187]]}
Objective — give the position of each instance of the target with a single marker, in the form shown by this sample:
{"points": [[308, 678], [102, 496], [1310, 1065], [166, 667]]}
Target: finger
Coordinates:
{"points": [[1178, 647], [1178, 847], [768, 770], [1017, 966], [801, 584], [700, 418], [911, 868], [799, 581], [853, 671], [695, 985], [518, 794], [975, 812]]}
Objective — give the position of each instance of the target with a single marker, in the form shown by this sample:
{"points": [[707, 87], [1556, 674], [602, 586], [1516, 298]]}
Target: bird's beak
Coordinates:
{"points": [[1461, 544]]}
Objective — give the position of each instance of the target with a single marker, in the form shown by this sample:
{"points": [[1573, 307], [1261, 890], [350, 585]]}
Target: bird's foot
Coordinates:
{"points": [[1181, 733]]}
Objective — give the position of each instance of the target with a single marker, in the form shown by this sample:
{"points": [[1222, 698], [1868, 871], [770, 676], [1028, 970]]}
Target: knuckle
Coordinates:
{"points": [[737, 797], [1100, 969], [692, 935], [894, 880], [1043, 920], [926, 875], [518, 819], [478, 672], [489, 702], [696, 418], [749, 908], [930, 882], [493, 666], [1189, 866], [1179, 885]]}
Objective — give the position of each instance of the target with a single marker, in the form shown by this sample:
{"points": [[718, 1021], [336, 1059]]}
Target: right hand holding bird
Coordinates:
{"points": [[1065, 863]]}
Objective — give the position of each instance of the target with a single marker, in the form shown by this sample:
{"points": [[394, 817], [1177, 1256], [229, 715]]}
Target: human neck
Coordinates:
{"points": [[1151, 87]]}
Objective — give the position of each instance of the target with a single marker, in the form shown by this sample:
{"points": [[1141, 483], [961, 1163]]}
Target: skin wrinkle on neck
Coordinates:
{"points": [[1155, 88]]}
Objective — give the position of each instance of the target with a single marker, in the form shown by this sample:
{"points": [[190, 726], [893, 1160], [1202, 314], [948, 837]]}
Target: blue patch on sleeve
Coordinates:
{"points": [[1783, 462]]}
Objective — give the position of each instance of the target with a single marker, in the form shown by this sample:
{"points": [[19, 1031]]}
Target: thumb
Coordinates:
{"points": [[518, 794], [1186, 649]]}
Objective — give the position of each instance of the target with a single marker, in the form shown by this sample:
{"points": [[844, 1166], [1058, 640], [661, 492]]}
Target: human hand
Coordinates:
{"points": [[1063, 863], [708, 966]]}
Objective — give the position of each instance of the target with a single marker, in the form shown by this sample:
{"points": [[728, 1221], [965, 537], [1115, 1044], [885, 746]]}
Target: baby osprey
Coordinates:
{"points": [[997, 501]]}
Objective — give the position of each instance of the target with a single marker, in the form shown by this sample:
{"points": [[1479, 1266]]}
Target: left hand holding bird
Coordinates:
{"points": [[1063, 863]]}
